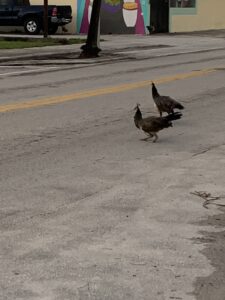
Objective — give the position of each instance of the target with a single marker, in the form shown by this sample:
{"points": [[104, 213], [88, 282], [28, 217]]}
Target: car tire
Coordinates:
{"points": [[52, 28], [32, 25]]}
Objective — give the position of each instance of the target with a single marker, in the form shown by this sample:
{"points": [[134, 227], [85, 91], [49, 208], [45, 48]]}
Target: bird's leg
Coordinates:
{"points": [[160, 113], [156, 137], [150, 135]]}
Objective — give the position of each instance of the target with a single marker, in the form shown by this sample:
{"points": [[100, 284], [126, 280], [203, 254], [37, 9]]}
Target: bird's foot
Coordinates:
{"points": [[155, 138]]}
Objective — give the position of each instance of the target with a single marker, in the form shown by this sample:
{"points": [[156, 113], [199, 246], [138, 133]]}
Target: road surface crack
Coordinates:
{"points": [[208, 198]]}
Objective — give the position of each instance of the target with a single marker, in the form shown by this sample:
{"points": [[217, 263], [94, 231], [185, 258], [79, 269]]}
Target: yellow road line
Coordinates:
{"points": [[100, 91]]}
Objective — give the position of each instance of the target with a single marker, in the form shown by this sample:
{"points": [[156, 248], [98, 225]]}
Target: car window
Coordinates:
{"points": [[5, 2], [21, 2], [182, 3]]}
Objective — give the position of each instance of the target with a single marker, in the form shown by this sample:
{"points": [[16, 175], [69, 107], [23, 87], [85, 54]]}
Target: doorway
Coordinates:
{"points": [[159, 16]]}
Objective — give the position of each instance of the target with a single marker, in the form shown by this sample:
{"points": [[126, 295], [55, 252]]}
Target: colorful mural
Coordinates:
{"points": [[116, 17]]}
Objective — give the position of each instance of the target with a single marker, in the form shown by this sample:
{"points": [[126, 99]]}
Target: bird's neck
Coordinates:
{"points": [[138, 115], [138, 118], [154, 91]]}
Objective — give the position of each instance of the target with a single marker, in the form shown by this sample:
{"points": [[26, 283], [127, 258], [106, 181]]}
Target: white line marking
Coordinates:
{"points": [[16, 67], [27, 71]]}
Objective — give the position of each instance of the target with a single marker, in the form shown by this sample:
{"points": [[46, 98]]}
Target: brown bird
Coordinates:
{"points": [[164, 103], [152, 125]]}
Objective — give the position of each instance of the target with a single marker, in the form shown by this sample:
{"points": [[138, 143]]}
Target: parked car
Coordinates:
{"points": [[21, 13]]}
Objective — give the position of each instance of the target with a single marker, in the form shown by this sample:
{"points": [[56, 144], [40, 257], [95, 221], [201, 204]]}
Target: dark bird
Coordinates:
{"points": [[164, 103], [152, 125]]}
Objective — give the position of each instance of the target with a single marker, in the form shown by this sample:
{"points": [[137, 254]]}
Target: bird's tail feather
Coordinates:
{"points": [[179, 106], [172, 117]]}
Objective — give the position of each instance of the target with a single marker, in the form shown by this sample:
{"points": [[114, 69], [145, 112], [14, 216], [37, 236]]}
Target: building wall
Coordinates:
{"points": [[73, 3], [208, 14], [116, 16]]}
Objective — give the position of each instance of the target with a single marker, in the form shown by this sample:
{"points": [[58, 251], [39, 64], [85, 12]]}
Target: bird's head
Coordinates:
{"points": [[137, 106]]}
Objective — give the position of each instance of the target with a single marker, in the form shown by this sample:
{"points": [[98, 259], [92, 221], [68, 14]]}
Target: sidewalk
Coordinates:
{"points": [[118, 46]]}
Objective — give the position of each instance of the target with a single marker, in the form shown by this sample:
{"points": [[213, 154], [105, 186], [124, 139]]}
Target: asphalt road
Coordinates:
{"points": [[89, 210]]}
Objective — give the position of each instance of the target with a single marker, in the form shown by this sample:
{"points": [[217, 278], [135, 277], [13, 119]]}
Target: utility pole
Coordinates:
{"points": [[91, 48], [45, 19]]}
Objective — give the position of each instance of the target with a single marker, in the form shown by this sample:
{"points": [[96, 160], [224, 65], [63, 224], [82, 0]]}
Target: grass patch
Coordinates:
{"points": [[19, 43]]}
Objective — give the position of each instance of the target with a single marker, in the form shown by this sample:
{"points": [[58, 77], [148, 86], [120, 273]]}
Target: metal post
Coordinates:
{"points": [[45, 19], [91, 48]]}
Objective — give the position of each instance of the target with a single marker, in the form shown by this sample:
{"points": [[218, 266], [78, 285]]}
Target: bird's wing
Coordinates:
{"points": [[169, 102], [164, 103], [154, 124]]}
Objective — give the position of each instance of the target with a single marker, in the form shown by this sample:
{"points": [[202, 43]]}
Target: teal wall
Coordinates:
{"points": [[80, 10], [146, 11]]}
